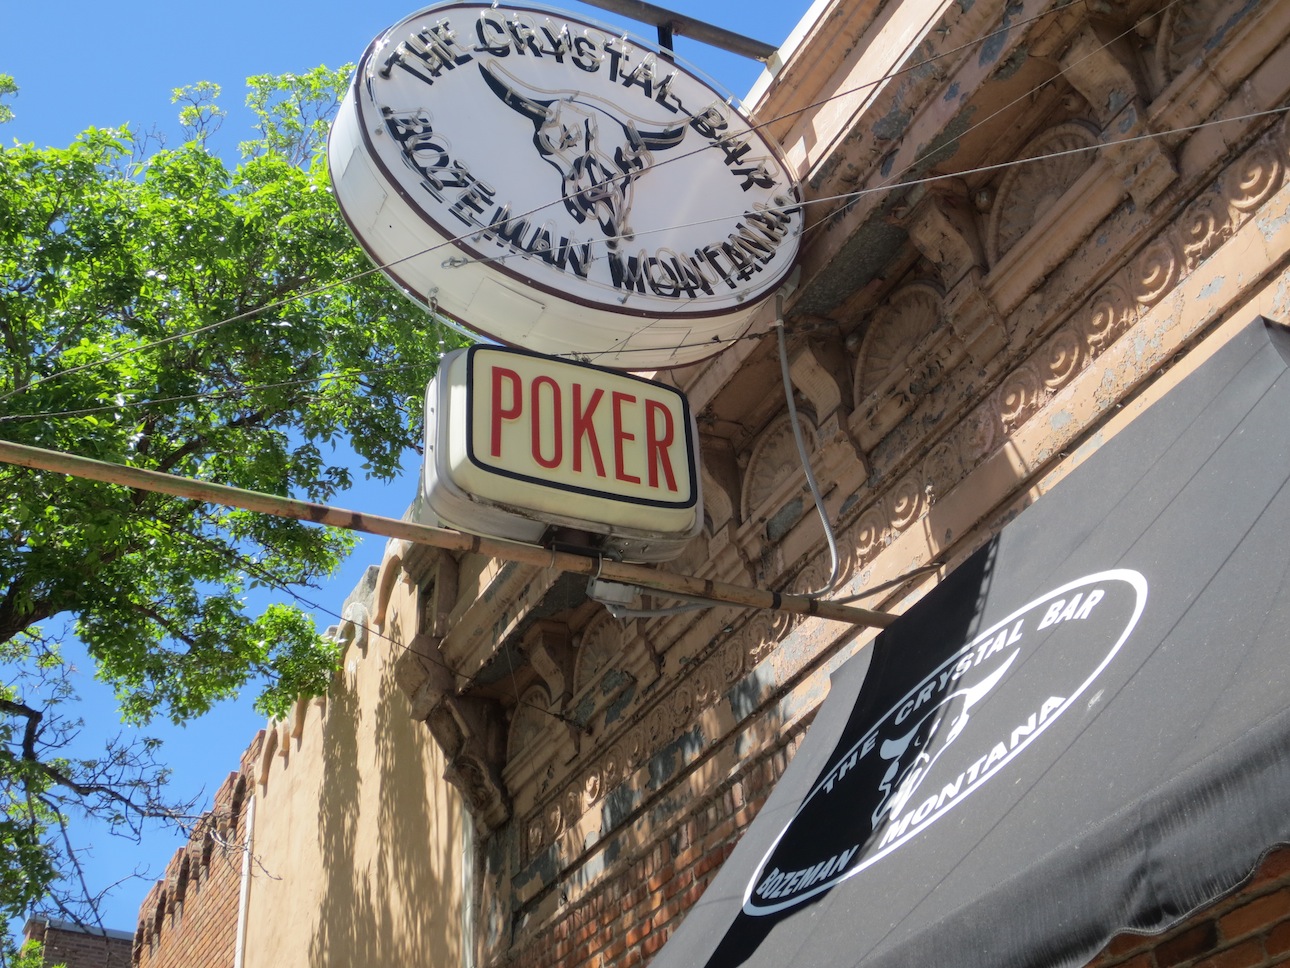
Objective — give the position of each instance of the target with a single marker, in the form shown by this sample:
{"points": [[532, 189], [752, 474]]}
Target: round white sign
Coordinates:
{"points": [[556, 186]]}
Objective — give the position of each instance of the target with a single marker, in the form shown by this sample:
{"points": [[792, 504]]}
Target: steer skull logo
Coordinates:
{"points": [[598, 155], [910, 755]]}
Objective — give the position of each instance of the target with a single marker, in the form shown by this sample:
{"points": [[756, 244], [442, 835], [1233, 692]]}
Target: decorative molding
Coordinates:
{"points": [[942, 469], [773, 461], [599, 646], [908, 501], [1258, 177], [977, 434], [489, 610], [871, 533], [976, 319], [1021, 394], [1155, 271], [529, 721], [266, 757], [896, 332], [471, 734], [438, 584], [470, 731], [390, 570], [706, 683], [420, 562], [1106, 317], [424, 677], [721, 481], [1145, 280], [905, 355], [354, 629], [1027, 191], [1184, 31], [819, 369], [1102, 65], [550, 654], [1064, 356], [945, 227], [1205, 226]]}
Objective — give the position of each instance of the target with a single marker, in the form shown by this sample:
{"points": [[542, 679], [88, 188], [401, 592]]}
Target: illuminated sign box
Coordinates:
{"points": [[552, 184], [517, 443]]}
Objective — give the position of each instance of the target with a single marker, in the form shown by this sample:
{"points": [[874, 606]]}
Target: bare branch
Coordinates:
{"points": [[99, 786]]}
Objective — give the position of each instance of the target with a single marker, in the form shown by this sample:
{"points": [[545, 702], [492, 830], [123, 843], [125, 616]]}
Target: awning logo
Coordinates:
{"points": [[932, 748]]}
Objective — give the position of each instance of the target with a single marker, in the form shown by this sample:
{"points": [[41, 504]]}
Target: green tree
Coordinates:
{"points": [[163, 309], [32, 955], [7, 89]]}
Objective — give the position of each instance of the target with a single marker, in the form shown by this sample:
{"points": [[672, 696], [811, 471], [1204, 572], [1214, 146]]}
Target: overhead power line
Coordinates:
{"points": [[891, 184]]}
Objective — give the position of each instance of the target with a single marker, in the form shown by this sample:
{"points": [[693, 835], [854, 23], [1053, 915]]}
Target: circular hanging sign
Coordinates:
{"points": [[554, 185]]}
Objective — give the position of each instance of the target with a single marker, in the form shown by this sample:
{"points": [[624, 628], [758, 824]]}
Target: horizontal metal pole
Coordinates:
{"points": [[679, 23], [285, 507]]}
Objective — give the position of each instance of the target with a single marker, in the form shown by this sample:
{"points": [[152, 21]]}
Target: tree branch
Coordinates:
{"points": [[13, 620], [30, 755], [91, 900], [166, 623], [241, 422], [31, 732]]}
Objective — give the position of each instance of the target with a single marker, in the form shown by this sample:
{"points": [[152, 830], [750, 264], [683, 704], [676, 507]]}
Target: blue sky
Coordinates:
{"points": [[79, 64]]}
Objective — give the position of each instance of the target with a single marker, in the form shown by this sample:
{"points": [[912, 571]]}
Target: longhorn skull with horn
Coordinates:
{"points": [[596, 177]]}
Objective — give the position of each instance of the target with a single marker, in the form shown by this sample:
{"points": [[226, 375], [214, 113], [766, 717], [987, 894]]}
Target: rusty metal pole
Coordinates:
{"points": [[603, 568]]}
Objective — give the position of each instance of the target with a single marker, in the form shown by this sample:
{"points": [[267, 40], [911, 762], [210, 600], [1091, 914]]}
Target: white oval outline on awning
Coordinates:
{"points": [[1133, 578]]}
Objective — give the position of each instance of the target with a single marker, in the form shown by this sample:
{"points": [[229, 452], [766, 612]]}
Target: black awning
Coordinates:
{"points": [[1081, 731]]}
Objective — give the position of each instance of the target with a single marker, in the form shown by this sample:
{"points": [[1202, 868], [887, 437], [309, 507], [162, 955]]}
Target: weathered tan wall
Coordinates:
{"points": [[357, 840]]}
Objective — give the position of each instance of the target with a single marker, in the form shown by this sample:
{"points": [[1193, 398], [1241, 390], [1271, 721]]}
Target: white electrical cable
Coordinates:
{"points": [[806, 458], [621, 612]]}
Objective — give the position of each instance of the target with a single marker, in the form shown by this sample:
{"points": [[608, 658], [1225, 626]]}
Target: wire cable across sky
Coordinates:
{"points": [[842, 200]]}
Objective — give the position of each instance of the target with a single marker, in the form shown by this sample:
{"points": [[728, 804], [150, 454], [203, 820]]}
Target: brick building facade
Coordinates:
{"points": [[75, 946], [191, 916], [1025, 222]]}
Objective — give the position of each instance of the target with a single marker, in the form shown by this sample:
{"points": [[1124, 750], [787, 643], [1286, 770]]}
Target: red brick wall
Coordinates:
{"points": [[189, 918], [631, 915], [66, 944]]}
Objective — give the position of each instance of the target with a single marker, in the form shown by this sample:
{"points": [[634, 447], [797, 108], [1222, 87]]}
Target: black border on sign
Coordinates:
{"points": [[691, 449], [365, 123]]}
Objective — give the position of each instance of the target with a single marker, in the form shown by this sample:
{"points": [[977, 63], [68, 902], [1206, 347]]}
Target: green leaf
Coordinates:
{"points": [[7, 89], [162, 308]]}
